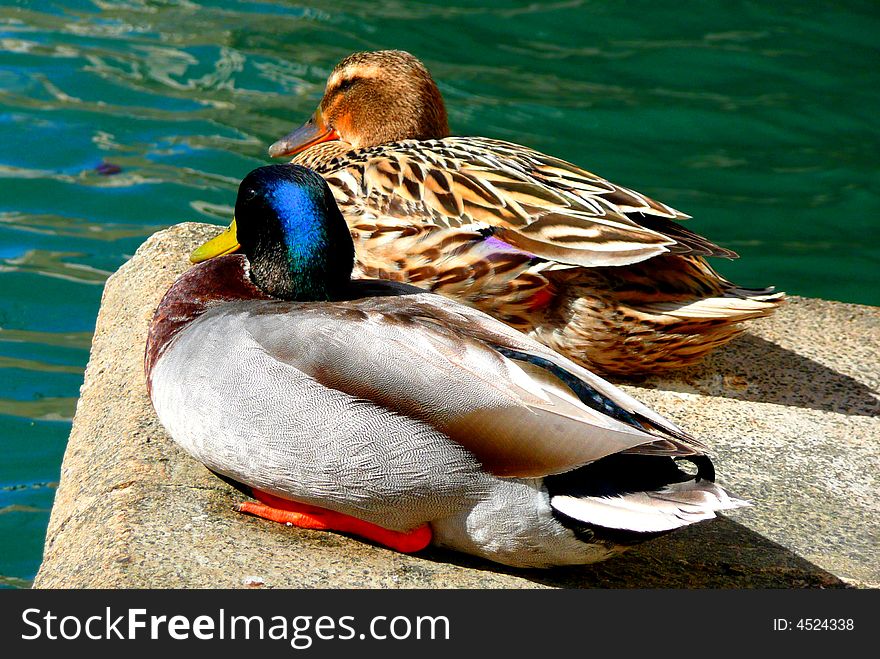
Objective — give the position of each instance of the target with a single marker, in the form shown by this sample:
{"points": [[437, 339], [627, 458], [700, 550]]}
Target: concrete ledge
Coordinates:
{"points": [[790, 410]]}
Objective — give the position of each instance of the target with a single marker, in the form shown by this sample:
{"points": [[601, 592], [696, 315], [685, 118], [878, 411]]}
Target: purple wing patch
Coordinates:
{"points": [[501, 246]]}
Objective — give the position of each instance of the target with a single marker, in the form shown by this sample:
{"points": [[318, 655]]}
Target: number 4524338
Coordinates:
{"points": [[814, 624]]}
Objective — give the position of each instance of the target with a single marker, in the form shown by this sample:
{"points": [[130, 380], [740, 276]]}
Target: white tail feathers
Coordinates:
{"points": [[731, 308], [675, 506]]}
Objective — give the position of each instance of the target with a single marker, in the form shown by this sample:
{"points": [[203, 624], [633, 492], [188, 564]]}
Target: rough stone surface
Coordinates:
{"points": [[790, 410]]}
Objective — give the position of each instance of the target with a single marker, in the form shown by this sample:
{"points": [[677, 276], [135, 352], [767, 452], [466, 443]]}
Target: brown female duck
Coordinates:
{"points": [[601, 273]]}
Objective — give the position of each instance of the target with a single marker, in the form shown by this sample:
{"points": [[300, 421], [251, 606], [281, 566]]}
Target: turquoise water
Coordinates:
{"points": [[759, 119]]}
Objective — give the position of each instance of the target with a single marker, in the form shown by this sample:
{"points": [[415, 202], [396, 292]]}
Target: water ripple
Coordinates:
{"points": [[52, 264], [19, 508], [40, 366], [75, 227], [15, 582], [57, 408], [76, 340]]}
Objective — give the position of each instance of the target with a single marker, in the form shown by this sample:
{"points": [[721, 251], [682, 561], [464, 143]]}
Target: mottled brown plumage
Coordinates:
{"points": [[601, 273]]}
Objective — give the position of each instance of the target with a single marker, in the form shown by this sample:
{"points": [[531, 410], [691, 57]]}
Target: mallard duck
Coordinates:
{"points": [[397, 415], [601, 273]]}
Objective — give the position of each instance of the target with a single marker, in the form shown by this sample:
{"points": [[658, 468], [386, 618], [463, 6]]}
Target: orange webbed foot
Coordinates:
{"points": [[305, 516]]}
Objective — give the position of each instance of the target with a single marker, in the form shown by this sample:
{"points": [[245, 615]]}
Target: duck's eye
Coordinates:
{"points": [[250, 194], [346, 84]]}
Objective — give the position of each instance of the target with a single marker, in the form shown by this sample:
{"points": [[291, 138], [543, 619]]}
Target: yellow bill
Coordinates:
{"points": [[225, 243]]}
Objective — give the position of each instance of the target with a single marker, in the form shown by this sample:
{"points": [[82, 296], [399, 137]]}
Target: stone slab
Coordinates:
{"points": [[790, 410]]}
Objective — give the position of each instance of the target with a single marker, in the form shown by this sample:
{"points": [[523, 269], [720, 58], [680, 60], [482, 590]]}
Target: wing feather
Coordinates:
{"points": [[419, 356], [552, 208]]}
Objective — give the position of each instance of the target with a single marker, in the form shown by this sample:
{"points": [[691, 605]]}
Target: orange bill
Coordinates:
{"points": [[314, 131]]}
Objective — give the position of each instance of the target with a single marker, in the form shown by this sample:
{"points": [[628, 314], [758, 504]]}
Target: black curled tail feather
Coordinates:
{"points": [[587, 395]]}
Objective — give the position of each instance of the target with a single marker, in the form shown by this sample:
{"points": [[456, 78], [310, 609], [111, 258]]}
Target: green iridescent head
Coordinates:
{"points": [[290, 229]]}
